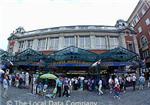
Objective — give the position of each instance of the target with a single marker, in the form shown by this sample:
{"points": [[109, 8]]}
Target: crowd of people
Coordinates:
{"points": [[64, 86], [116, 84], [18, 80]]}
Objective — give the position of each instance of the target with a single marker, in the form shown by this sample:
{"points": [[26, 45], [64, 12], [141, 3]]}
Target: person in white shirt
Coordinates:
{"points": [[5, 86], [100, 87], [110, 81], [116, 81], [134, 81]]}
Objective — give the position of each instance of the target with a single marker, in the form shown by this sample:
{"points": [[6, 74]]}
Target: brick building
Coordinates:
{"points": [[140, 20]]}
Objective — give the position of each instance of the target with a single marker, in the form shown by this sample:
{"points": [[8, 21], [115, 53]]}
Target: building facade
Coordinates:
{"points": [[94, 38], [140, 20]]}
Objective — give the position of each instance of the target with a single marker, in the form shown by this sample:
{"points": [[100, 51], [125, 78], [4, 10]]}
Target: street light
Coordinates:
{"points": [[96, 64]]}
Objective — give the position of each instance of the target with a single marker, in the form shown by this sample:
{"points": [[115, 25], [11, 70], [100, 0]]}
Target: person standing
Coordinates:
{"points": [[66, 88], [117, 91], [100, 87], [149, 82], [141, 82], [17, 80], [70, 86], [59, 87], [5, 86], [111, 82], [76, 84], [27, 79], [134, 81]]}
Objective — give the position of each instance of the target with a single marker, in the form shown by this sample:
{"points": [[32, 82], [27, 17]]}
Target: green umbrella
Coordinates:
{"points": [[48, 76]]}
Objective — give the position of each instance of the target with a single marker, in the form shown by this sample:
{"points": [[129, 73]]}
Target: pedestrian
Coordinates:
{"points": [[44, 89], [149, 82], [134, 81], [117, 91], [111, 82], [10, 79], [121, 83], [100, 92], [5, 86], [70, 85], [141, 82], [54, 93], [66, 88], [59, 87], [124, 84], [76, 84], [17, 80]]}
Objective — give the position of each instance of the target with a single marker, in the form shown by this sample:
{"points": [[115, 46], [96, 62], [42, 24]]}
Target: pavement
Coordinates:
{"points": [[24, 97]]}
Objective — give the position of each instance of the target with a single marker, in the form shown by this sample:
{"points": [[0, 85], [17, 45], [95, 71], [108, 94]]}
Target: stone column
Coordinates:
{"points": [[35, 44], [122, 40], [26, 45], [107, 42], [78, 40], [61, 43], [16, 47], [93, 40], [46, 42]]}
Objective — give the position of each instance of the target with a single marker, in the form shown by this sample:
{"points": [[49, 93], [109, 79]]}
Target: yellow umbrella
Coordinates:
{"points": [[48, 76]]}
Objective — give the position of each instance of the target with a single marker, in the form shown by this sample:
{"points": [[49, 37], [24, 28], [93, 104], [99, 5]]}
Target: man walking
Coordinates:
{"points": [[5, 86]]}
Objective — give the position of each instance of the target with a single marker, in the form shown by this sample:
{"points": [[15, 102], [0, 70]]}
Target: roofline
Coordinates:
{"points": [[70, 26], [70, 31], [134, 10]]}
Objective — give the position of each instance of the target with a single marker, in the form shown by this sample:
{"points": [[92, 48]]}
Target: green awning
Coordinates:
{"points": [[119, 54]]}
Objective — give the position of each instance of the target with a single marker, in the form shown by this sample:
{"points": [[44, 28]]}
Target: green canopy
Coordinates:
{"points": [[118, 54], [48, 76]]}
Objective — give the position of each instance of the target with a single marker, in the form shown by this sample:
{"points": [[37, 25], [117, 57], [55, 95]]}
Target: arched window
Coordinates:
{"points": [[144, 41]]}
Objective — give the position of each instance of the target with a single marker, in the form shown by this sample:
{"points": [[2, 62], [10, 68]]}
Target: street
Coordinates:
{"points": [[24, 97]]}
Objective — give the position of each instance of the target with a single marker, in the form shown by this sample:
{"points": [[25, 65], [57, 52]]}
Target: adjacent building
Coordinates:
{"points": [[140, 21]]}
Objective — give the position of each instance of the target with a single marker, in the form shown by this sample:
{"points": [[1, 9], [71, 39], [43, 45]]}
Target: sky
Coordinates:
{"points": [[38, 14]]}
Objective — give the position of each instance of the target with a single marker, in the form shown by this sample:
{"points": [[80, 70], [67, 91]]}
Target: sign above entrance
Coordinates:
{"points": [[116, 63], [72, 63]]}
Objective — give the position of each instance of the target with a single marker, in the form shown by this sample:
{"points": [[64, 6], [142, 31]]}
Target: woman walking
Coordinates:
{"points": [[5, 86], [100, 87]]}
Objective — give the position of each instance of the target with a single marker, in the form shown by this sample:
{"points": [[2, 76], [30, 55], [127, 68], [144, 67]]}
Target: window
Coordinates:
{"points": [[85, 42], [144, 41], [143, 11], [69, 41], [30, 43], [140, 29], [113, 42], [145, 54], [10, 50], [130, 47], [54, 42], [136, 19], [100, 43], [147, 21], [132, 24], [21, 45], [41, 44]]}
